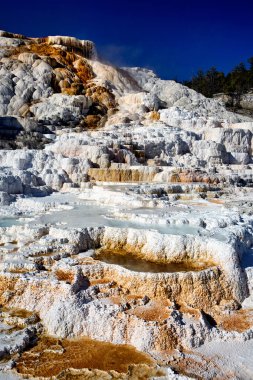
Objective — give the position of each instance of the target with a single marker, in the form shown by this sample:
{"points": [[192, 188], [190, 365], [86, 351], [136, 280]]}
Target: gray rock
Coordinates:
{"points": [[61, 108]]}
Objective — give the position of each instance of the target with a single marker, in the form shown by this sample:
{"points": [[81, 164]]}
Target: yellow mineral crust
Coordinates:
{"points": [[51, 357]]}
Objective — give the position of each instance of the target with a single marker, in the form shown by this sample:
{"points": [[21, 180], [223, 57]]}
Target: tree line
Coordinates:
{"points": [[237, 82]]}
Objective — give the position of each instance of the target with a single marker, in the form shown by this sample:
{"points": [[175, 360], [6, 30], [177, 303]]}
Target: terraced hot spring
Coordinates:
{"points": [[51, 356], [134, 263]]}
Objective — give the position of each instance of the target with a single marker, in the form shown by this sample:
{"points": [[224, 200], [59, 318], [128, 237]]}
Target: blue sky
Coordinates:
{"points": [[174, 38]]}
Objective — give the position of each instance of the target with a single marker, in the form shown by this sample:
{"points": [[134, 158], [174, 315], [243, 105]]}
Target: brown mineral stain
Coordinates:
{"points": [[102, 95], [240, 320], [154, 116], [122, 175], [216, 201], [153, 311], [85, 260], [197, 204], [195, 365], [97, 281], [64, 275], [122, 299], [116, 300], [15, 312], [52, 356], [20, 270], [184, 197], [183, 308], [59, 57]]}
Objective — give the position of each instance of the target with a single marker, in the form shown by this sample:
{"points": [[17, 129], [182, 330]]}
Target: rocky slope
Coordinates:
{"points": [[126, 218]]}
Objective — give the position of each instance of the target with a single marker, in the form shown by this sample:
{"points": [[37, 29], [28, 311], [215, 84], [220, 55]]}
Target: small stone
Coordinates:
{"points": [[126, 306], [145, 300]]}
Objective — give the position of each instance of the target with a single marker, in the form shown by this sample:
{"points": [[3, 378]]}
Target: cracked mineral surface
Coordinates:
{"points": [[126, 221]]}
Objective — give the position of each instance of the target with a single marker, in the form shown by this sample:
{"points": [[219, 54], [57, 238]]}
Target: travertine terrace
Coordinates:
{"points": [[126, 228]]}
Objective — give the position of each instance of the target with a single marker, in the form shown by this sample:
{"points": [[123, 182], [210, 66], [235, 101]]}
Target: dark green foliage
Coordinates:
{"points": [[237, 82]]}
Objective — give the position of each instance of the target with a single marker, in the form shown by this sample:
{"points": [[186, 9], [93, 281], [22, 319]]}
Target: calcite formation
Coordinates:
{"points": [[126, 228]]}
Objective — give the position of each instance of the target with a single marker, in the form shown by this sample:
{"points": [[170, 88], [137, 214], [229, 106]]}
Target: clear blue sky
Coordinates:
{"points": [[175, 38]]}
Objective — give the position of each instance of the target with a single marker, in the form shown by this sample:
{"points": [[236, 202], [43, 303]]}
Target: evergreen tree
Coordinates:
{"points": [[237, 82], [250, 61]]}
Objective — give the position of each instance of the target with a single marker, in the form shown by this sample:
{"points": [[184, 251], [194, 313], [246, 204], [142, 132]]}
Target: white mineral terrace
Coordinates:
{"points": [[126, 222]]}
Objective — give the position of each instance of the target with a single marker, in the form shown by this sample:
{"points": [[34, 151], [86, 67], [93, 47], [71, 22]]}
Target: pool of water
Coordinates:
{"points": [[130, 261], [9, 221], [78, 213], [90, 214]]}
